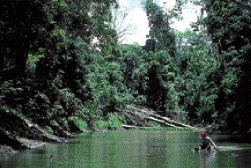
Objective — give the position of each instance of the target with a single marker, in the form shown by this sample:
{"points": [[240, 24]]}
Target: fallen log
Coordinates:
{"points": [[162, 122], [139, 116], [136, 127], [128, 126], [170, 121]]}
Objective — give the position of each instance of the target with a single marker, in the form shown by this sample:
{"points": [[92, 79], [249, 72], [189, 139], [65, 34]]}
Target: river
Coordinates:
{"points": [[135, 148]]}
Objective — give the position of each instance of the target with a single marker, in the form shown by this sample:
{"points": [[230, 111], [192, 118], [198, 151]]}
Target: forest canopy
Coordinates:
{"points": [[61, 59]]}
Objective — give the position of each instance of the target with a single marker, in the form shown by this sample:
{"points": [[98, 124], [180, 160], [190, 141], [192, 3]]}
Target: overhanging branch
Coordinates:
{"points": [[243, 4]]}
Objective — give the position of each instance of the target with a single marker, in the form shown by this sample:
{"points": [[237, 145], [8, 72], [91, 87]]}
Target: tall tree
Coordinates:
{"points": [[228, 22], [161, 48], [161, 36]]}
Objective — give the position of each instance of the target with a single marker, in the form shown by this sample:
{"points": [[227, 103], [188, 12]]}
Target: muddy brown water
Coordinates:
{"points": [[135, 148]]}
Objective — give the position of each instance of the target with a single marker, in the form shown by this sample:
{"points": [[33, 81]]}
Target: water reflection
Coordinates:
{"points": [[124, 149], [207, 158], [156, 154]]}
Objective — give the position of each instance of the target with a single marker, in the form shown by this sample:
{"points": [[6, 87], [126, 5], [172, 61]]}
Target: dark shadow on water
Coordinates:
{"points": [[38, 151], [234, 138], [243, 158]]}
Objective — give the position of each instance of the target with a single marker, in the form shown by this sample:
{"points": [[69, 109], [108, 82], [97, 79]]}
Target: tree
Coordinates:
{"points": [[161, 51], [161, 36], [195, 82], [20, 22], [228, 24], [59, 34], [120, 23]]}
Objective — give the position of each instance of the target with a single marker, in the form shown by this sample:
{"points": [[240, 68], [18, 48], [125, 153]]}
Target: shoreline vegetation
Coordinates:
{"points": [[63, 71], [21, 133]]}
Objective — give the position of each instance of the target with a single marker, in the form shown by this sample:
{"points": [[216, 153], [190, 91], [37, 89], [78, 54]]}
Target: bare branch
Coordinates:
{"points": [[120, 23]]}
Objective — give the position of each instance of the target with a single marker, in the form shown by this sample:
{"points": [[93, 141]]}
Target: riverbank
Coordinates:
{"points": [[18, 133], [7, 150]]}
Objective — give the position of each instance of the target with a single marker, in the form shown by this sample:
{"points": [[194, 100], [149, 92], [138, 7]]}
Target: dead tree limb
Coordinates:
{"points": [[170, 121], [162, 122]]}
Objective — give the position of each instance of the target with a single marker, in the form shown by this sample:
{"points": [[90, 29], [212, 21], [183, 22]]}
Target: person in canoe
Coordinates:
{"points": [[206, 142]]}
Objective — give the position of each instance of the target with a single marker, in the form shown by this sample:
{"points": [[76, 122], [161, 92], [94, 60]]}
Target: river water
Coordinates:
{"points": [[135, 148]]}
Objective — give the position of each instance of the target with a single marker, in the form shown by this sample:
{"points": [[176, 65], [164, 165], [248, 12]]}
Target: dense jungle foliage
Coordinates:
{"points": [[61, 60]]}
